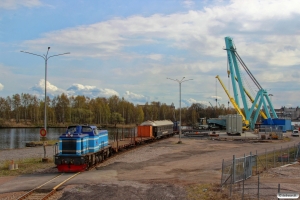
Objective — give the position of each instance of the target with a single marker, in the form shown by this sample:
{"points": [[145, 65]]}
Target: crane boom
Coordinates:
{"points": [[252, 100], [236, 107], [261, 100]]}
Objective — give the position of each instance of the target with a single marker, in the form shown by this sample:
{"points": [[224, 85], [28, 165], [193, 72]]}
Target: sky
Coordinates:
{"points": [[130, 48]]}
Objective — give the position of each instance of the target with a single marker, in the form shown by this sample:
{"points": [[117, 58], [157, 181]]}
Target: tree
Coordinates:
{"points": [[116, 118], [25, 100], [139, 115], [113, 102], [33, 109], [60, 104], [16, 102], [3, 108], [80, 109]]}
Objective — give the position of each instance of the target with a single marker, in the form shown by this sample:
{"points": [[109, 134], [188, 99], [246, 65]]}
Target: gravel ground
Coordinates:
{"points": [[161, 170], [28, 152]]}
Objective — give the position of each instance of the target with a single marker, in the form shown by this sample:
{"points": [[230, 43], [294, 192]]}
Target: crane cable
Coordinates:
{"points": [[244, 81], [216, 93], [228, 72], [247, 70]]}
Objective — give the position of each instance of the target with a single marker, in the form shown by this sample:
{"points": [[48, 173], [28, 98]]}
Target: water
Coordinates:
{"points": [[15, 138]]}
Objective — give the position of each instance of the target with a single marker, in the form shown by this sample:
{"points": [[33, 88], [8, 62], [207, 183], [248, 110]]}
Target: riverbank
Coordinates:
{"points": [[22, 124]]}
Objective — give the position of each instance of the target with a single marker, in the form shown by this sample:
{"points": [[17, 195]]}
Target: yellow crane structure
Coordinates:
{"points": [[252, 100], [236, 107]]}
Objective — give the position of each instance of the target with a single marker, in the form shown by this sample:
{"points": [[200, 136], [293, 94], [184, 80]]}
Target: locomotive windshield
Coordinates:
{"points": [[71, 129], [86, 129]]}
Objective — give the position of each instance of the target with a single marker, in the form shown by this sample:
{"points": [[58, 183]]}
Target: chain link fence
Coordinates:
{"points": [[236, 173], [271, 132]]}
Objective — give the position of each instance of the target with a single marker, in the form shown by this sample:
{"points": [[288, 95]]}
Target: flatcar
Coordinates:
{"points": [[156, 129], [80, 147]]}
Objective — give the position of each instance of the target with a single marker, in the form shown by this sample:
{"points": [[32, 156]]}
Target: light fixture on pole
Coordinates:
{"points": [[270, 95], [46, 58], [181, 81]]}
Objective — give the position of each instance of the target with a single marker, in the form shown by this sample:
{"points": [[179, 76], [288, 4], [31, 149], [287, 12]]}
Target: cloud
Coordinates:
{"points": [[14, 4], [52, 90], [191, 101], [92, 91], [147, 49], [79, 87], [136, 98], [74, 89], [41, 86], [199, 32], [155, 56], [1, 87], [108, 92], [188, 3], [215, 97]]}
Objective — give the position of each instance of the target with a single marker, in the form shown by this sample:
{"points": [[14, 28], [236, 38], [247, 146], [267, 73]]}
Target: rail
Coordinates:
{"points": [[37, 194]]}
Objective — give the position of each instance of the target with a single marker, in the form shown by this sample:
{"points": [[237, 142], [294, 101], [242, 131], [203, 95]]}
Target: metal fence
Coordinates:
{"points": [[271, 132], [235, 172], [237, 169]]}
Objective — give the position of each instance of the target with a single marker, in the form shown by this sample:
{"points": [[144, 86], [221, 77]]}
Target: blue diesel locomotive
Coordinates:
{"points": [[81, 147]]}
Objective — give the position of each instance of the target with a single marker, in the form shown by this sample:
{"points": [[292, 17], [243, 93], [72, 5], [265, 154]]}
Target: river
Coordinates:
{"points": [[15, 138]]}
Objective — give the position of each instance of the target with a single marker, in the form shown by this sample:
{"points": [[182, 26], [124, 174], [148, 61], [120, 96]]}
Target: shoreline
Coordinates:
{"points": [[65, 126]]}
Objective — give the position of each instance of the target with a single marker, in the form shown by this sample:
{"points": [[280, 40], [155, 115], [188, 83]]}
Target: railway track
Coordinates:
{"points": [[49, 188]]}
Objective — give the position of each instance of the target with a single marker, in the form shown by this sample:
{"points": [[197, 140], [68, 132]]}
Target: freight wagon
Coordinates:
{"points": [[156, 129]]}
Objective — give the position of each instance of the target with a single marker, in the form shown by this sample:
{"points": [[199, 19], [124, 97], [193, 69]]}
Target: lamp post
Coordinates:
{"points": [[46, 58], [270, 95], [181, 81]]}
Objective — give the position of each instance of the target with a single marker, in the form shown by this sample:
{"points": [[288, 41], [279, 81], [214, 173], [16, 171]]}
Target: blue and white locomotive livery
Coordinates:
{"points": [[81, 147]]}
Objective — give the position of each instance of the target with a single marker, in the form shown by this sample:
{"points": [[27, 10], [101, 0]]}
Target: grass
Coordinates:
{"points": [[48, 142], [270, 159], [26, 166], [209, 192], [51, 142]]}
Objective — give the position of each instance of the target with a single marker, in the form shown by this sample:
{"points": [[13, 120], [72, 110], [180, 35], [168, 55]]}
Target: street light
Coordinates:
{"points": [[270, 95], [46, 58], [181, 81]]}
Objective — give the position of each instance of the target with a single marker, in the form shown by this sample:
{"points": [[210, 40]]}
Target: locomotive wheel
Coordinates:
{"points": [[86, 161], [107, 153], [97, 159]]}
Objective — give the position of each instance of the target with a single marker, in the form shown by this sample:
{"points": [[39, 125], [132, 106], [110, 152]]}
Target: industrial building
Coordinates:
{"points": [[291, 113]]}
